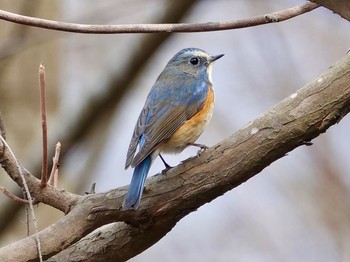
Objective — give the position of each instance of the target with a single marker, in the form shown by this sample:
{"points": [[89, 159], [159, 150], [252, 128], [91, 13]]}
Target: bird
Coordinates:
{"points": [[176, 112]]}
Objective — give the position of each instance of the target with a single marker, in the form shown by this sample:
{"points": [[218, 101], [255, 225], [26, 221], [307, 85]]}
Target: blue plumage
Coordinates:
{"points": [[180, 93], [133, 197]]}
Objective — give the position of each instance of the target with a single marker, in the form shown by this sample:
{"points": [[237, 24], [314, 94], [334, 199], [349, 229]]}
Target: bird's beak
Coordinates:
{"points": [[215, 57]]}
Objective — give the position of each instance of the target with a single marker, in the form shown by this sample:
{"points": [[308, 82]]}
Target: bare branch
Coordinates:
{"points": [[54, 171], [2, 127], [54, 197], [30, 199], [12, 196], [154, 28], [43, 123]]}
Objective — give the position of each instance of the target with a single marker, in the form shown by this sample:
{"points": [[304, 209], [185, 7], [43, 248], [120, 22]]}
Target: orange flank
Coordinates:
{"points": [[192, 128]]}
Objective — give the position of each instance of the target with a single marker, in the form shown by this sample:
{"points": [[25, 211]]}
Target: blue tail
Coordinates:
{"points": [[133, 197]]}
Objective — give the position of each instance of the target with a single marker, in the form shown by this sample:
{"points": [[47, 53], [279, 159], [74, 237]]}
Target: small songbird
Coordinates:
{"points": [[177, 109]]}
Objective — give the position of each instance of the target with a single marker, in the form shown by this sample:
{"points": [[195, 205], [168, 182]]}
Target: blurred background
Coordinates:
{"points": [[297, 209]]}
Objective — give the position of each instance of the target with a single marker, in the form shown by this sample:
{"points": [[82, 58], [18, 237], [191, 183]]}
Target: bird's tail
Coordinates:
{"points": [[133, 197]]}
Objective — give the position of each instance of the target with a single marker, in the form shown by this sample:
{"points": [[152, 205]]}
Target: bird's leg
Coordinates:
{"points": [[92, 190], [167, 166]]}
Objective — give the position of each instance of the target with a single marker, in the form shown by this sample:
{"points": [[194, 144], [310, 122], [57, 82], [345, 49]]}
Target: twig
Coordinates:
{"points": [[54, 171], [2, 133], [30, 199], [26, 214], [12, 196], [43, 182], [153, 28], [2, 127]]}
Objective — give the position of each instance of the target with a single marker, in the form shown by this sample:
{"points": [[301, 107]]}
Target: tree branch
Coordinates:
{"points": [[42, 85], [295, 121], [54, 197], [28, 195], [2, 127], [12, 196], [153, 28], [53, 179]]}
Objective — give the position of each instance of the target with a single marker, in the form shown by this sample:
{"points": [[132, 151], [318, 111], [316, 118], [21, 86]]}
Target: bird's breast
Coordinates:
{"points": [[191, 129]]}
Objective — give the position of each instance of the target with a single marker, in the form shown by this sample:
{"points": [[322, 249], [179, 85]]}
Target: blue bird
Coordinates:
{"points": [[176, 112]]}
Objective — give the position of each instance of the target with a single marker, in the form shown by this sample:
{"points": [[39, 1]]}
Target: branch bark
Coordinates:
{"points": [[295, 121], [154, 28], [52, 196]]}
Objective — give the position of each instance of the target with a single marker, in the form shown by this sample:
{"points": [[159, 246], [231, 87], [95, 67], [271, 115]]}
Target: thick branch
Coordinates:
{"points": [[153, 28], [293, 122]]}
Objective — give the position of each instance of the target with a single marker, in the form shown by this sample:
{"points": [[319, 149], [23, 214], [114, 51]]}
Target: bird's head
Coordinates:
{"points": [[194, 61]]}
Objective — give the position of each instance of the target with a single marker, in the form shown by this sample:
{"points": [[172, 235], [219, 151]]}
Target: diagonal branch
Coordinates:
{"points": [[153, 28], [12, 196], [295, 121]]}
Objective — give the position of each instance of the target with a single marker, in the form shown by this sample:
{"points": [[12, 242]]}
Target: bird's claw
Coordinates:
{"points": [[167, 167], [202, 150], [202, 147]]}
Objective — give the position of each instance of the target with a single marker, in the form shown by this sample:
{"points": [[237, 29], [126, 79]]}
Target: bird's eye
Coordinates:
{"points": [[194, 60]]}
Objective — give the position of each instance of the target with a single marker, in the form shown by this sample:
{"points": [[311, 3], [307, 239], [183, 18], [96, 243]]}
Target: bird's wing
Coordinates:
{"points": [[166, 109], [138, 131]]}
